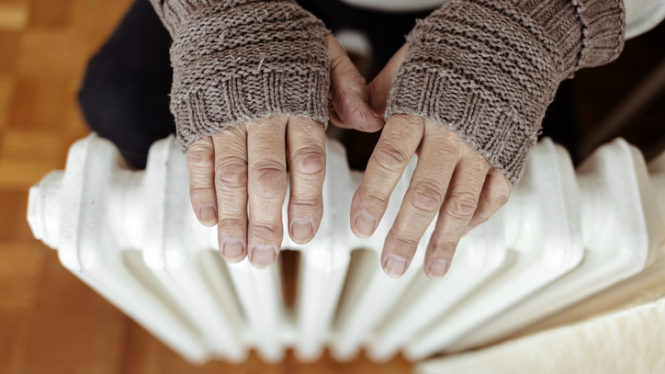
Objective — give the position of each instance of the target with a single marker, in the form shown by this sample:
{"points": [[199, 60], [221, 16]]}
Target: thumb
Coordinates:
{"points": [[380, 87], [349, 93]]}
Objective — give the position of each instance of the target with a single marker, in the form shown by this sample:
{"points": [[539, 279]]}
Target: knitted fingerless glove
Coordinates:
{"points": [[488, 69], [239, 60]]}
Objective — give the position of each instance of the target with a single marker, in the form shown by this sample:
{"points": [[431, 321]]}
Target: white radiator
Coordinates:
{"points": [[563, 236]]}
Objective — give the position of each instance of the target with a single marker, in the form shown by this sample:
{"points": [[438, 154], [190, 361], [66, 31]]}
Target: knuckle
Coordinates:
{"points": [[198, 192], [266, 231], [309, 160], [443, 248], [358, 80], [306, 205], [200, 155], [201, 195], [354, 114], [231, 173], [231, 225], [427, 196], [500, 198], [407, 122], [306, 209], [461, 205], [389, 156], [501, 193], [448, 149], [336, 61], [404, 242], [270, 178], [370, 197], [478, 168], [497, 195]]}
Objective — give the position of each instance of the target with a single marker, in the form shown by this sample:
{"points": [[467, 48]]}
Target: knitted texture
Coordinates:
{"points": [[488, 69], [235, 61]]}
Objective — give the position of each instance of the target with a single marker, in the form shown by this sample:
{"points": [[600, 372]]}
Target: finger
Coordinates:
{"points": [[266, 187], [200, 155], [439, 155], [398, 142], [349, 93], [458, 208], [379, 88], [307, 163], [494, 195], [231, 187]]}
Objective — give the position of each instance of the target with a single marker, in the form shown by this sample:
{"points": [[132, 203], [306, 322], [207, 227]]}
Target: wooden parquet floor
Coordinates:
{"points": [[49, 321], [52, 323]]}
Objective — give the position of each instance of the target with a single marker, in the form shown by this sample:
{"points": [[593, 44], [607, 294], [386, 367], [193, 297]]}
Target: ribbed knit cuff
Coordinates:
{"points": [[235, 61], [242, 99], [488, 69], [603, 26]]}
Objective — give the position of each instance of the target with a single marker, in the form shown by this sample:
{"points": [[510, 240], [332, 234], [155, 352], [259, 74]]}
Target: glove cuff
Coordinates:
{"points": [[488, 69], [240, 60]]}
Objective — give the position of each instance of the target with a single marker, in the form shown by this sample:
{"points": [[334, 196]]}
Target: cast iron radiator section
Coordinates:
{"points": [[564, 235]]}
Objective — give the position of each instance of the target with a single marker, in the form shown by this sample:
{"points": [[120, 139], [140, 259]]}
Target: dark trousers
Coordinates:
{"points": [[125, 92]]}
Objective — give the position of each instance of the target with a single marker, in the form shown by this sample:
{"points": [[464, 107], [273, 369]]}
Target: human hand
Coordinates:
{"points": [[451, 179], [247, 163]]}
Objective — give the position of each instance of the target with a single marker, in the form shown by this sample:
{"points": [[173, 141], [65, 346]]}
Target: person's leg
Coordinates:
{"points": [[125, 93]]}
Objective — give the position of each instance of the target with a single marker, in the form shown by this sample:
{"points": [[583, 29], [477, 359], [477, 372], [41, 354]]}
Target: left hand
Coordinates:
{"points": [[451, 179]]}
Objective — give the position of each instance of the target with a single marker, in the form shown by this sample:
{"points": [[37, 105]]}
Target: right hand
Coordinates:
{"points": [[248, 163]]}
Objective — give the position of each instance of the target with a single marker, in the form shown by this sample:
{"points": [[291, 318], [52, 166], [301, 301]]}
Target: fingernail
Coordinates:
{"points": [[364, 225], [438, 268], [262, 255], [301, 230], [232, 250], [394, 265], [208, 215]]}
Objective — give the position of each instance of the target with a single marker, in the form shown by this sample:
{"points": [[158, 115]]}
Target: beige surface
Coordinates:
{"points": [[629, 341]]}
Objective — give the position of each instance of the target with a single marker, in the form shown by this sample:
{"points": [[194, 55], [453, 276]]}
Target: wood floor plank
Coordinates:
{"points": [[65, 52], [21, 265], [13, 15], [50, 15], [13, 328], [6, 83], [9, 50], [71, 329], [37, 147], [13, 210], [40, 104]]}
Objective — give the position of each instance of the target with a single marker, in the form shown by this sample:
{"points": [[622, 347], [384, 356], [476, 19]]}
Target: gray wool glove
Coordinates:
{"points": [[488, 69], [239, 60]]}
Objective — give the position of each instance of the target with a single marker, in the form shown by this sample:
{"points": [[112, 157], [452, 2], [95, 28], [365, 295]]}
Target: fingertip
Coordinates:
{"points": [[262, 256], [364, 225], [301, 231], [207, 216], [377, 121], [437, 268], [394, 265], [233, 250]]}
